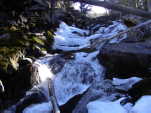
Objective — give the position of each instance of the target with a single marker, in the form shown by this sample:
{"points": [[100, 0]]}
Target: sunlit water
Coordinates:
{"points": [[94, 11]]}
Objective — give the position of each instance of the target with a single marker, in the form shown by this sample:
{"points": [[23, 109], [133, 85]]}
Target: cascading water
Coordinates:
{"points": [[74, 71]]}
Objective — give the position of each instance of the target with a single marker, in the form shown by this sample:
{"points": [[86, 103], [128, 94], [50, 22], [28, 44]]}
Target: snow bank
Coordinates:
{"points": [[39, 108], [125, 84], [143, 105], [105, 107]]}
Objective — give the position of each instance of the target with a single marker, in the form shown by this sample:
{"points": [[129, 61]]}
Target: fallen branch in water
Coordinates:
{"points": [[51, 91]]}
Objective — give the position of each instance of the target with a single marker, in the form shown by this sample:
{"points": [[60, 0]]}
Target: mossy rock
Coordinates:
{"points": [[18, 40], [9, 57], [50, 37]]}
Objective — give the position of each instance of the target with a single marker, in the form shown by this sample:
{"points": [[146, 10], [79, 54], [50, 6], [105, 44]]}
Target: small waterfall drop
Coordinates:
{"points": [[75, 72]]}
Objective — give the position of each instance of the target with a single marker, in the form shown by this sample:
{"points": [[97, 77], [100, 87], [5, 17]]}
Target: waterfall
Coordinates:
{"points": [[74, 71]]}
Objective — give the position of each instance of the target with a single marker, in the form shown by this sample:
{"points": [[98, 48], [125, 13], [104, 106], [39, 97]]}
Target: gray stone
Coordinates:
{"points": [[127, 58]]}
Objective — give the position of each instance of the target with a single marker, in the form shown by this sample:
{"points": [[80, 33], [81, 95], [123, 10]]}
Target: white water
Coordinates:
{"points": [[74, 76], [79, 73], [67, 40]]}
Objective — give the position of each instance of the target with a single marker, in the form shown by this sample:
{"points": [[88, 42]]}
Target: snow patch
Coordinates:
{"points": [[143, 105], [39, 108], [125, 84], [105, 107]]}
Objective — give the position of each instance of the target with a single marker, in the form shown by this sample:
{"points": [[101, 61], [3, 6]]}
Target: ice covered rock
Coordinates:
{"points": [[125, 84]]}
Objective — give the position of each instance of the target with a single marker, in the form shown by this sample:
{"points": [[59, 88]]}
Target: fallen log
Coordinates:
{"points": [[117, 7], [53, 99]]}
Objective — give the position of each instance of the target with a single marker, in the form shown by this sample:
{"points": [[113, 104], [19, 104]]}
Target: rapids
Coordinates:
{"points": [[74, 71]]}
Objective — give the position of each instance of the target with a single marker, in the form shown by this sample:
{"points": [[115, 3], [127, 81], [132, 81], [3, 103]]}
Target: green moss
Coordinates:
{"points": [[16, 41], [9, 56], [38, 40], [50, 38], [11, 46]]}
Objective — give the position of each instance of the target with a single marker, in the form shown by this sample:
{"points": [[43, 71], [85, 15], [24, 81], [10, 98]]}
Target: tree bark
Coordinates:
{"points": [[52, 96], [149, 5], [117, 7]]}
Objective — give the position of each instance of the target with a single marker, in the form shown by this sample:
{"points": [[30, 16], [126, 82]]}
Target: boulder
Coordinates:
{"points": [[127, 58], [19, 82], [139, 89]]}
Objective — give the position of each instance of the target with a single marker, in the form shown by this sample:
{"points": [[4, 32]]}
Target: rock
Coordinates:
{"points": [[35, 52], [27, 76], [103, 89], [20, 81], [140, 89], [126, 59], [33, 98]]}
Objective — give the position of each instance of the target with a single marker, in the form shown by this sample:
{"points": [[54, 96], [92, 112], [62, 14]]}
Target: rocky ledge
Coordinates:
{"points": [[127, 59]]}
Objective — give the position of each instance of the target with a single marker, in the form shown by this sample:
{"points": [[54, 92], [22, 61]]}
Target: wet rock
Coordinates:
{"points": [[70, 105], [126, 59], [57, 63], [35, 52], [140, 89], [33, 98], [20, 81], [97, 90], [21, 78], [27, 76]]}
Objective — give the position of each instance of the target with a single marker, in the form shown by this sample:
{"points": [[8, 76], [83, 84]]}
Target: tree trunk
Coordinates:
{"points": [[117, 7], [149, 5]]}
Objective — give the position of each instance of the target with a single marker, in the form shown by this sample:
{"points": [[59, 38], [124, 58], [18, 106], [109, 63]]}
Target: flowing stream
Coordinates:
{"points": [[77, 69]]}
